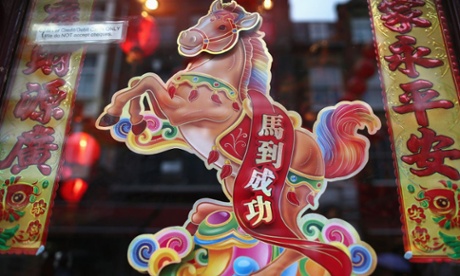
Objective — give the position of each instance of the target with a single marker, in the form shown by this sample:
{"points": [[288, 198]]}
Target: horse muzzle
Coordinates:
{"points": [[190, 43]]}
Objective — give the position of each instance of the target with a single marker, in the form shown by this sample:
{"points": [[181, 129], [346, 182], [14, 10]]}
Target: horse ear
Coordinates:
{"points": [[248, 22], [216, 5]]}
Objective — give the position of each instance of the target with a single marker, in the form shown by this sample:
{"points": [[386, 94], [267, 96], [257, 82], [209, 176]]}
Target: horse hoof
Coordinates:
{"points": [[108, 120], [139, 128]]}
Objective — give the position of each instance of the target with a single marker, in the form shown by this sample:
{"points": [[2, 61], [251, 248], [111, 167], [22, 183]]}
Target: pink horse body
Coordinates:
{"points": [[210, 98]]}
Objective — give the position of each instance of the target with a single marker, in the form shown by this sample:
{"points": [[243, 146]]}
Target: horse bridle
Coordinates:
{"points": [[206, 40]]}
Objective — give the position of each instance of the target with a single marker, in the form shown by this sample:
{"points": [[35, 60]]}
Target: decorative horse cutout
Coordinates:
{"points": [[219, 109]]}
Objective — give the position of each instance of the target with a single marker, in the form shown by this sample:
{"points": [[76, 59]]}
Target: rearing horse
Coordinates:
{"points": [[213, 103]]}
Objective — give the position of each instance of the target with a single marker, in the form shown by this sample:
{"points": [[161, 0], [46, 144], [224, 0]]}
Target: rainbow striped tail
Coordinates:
{"points": [[345, 151]]}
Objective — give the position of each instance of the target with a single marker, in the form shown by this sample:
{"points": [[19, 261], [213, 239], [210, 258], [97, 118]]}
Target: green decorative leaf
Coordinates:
{"points": [[45, 184], [453, 243], [411, 189], [424, 204], [6, 235], [421, 194], [447, 225], [32, 199]]}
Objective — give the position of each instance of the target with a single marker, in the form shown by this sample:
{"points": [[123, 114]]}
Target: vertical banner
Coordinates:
{"points": [[420, 84], [35, 115]]}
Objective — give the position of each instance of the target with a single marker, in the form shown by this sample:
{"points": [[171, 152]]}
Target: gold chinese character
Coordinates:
{"points": [[269, 152], [261, 180], [259, 210], [272, 125]]}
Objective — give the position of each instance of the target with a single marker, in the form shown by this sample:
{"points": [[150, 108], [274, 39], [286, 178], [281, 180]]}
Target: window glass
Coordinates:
{"points": [[317, 62]]}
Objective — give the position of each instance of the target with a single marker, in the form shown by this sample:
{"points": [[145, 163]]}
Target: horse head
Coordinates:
{"points": [[218, 31]]}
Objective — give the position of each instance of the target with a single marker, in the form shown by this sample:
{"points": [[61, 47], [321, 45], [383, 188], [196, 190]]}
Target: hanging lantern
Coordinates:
{"points": [[72, 190], [249, 5], [365, 68], [142, 39], [268, 27], [82, 149], [356, 86]]}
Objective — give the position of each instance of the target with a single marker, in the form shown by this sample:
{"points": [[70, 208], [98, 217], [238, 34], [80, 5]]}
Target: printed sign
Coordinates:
{"points": [[420, 87], [80, 33], [36, 113], [272, 170]]}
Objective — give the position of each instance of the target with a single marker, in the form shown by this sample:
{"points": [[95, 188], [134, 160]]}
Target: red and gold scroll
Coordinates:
{"points": [[35, 115], [420, 88]]}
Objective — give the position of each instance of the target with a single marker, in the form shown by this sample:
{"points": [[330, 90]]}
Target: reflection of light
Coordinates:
{"points": [[268, 4], [83, 143], [151, 4], [79, 186]]}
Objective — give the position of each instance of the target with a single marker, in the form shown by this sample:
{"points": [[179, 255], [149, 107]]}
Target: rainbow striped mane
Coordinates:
{"points": [[256, 74]]}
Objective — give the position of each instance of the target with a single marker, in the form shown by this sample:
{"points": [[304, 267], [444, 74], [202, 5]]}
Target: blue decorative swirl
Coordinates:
{"points": [[140, 250], [361, 258], [122, 128]]}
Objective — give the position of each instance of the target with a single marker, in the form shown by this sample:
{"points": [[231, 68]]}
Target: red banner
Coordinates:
{"points": [[36, 114], [420, 81]]}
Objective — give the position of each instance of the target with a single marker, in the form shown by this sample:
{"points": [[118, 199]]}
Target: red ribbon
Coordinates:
{"points": [[257, 205]]}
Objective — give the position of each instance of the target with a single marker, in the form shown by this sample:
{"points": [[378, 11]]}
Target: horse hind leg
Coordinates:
{"points": [[137, 120]]}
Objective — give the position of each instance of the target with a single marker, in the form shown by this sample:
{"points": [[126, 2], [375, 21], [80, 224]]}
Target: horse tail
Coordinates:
{"points": [[345, 151]]}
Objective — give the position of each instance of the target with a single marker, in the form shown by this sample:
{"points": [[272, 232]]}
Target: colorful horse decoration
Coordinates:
{"points": [[271, 170]]}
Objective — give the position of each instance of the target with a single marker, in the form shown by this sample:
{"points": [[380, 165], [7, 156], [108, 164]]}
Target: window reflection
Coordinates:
{"points": [[129, 194]]}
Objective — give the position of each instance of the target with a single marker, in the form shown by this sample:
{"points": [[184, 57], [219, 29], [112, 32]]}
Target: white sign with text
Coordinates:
{"points": [[101, 32]]}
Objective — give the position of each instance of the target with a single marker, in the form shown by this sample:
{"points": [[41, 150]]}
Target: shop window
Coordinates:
{"points": [[319, 31], [361, 31], [325, 86]]}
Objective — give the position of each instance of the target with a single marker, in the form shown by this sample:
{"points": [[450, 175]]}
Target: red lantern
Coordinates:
{"points": [[73, 190], [142, 38], [365, 68], [356, 86], [268, 27], [82, 149], [249, 5]]}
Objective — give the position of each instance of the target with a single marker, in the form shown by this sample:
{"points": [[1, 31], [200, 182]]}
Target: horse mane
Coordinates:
{"points": [[256, 73]]}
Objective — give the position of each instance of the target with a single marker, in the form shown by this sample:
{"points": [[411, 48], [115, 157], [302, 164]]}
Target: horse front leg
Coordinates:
{"points": [[156, 91]]}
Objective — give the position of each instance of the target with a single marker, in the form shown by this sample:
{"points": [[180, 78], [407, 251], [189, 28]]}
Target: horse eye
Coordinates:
{"points": [[222, 27]]}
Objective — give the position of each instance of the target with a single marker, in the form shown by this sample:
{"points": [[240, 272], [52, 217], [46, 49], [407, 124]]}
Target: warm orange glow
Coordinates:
{"points": [[79, 186], [151, 4], [73, 190], [81, 148], [268, 4], [83, 143]]}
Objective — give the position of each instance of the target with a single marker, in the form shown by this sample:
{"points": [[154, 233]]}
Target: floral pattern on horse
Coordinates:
{"points": [[271, 170]]}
